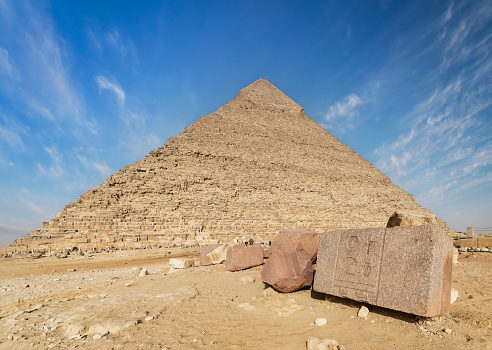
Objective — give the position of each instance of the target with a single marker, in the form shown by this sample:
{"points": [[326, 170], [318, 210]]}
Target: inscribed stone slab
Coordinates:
{"points": [[402, 268]]}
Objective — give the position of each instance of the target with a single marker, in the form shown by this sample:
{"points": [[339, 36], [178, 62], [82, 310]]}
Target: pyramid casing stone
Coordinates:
{"points": [[402, 268]]}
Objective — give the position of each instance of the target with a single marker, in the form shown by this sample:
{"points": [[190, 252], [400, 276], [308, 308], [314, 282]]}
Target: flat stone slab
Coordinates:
{"points": [[405, 268]]}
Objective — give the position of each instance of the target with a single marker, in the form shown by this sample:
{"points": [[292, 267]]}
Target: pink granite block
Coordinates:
{"points": [[405, 268]]}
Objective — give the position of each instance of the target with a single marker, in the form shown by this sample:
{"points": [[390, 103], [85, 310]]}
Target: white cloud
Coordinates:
{"points": [[125, 46], [5, 62], [448, 132], [101, 167], [105, 84], [24, 195], [55, 170], [345, 109]]}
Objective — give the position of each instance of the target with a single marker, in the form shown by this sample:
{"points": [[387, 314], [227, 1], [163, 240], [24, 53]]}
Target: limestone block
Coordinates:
{"points": [[204, 258], [402, 268], [467, 242], [181, 263], [323, 344], [484, 242]]}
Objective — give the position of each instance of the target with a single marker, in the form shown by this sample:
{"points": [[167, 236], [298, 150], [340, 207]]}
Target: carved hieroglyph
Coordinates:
{"points": [[404, 268]]}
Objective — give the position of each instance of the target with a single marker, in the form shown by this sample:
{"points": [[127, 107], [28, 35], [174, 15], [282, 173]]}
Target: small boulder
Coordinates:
{"points": [[454, 295], [204, 259], [288, 272], [181, 263], [143, 272], [240, 257], [267, 253], [320, 321], [219, 254], [323, 344], [363, 312], [297, 240]]}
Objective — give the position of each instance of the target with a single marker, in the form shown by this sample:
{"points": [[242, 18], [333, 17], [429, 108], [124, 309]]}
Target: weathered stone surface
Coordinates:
{"points": [[323, 344], [402, 268], [484, 242], [297, 240], [288, 272], [204, 259], [181, 263], [411, 218], [240, 257], [467, 242], [223, 178], [219, 254], [267, 253]]}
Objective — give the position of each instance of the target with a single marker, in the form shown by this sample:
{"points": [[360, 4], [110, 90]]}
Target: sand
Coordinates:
{"points": [[51, 303]]}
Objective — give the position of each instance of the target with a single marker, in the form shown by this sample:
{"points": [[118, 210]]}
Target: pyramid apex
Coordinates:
{"points": [[265, 94]]}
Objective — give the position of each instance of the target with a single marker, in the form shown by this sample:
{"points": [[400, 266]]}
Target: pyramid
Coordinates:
{"points": [[253, 167]]}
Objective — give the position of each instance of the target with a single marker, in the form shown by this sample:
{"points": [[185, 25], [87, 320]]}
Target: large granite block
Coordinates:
{"points": [[405, 268]]}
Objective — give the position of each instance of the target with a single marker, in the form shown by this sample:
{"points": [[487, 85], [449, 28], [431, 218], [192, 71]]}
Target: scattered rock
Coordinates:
{"points": [[247, 306], [73, 330], [214, 254], [363, 312], [448, 331], [204, 259], [240, 257], [143, 272], [181, 263], [288, 272], [282, 305], [100, 335], [297, 240], [320, 321], [454, 295], [323, 344], [455, 256], [247, 279]]}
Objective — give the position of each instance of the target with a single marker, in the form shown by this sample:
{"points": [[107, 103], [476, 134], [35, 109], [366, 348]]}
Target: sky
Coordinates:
{"points": [[87, 87]]}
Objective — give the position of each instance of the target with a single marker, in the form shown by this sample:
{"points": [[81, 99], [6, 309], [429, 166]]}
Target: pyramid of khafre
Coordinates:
{"points": [[255, 166]]}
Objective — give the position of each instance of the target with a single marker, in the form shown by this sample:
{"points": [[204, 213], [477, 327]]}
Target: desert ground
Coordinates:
{"points": [[99, 301]]}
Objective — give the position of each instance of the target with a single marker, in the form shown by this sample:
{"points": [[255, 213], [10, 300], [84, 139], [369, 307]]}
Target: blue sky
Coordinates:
{"points": [[88, 87]]}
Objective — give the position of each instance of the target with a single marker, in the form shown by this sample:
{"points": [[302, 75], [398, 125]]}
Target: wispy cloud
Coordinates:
{"points": [[6, 64], [55, 170], [25, 196], [101, 167], [345, 109], [447, 131], [36, 60], [105, 84], [340, 114], [124, 46]]}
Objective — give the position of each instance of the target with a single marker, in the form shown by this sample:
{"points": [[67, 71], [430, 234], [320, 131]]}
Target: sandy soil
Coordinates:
{"points": [[51, 303]]}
